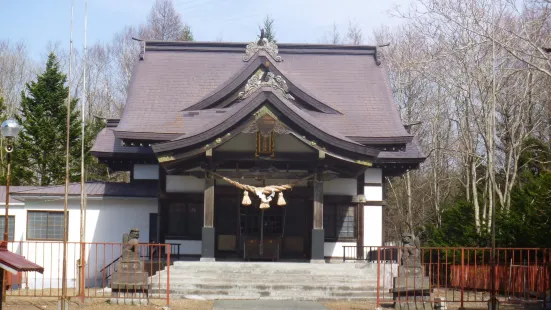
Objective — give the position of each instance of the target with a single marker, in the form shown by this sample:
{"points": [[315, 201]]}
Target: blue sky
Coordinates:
{"points": [[36, 22]]}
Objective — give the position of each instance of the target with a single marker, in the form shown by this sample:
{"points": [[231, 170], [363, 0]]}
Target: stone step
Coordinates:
{"points": [[212, 295], [260, 280], [271, 265], [271, 271], [265, 293], [262, 277], [273, 287]]}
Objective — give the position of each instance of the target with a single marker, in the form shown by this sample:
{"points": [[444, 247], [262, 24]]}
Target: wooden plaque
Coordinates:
{"points": [[264, 144]]}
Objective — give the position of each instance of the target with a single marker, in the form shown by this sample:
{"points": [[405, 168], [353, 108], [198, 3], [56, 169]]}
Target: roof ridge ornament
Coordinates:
{"points": [[256, 82], [262, 44]]}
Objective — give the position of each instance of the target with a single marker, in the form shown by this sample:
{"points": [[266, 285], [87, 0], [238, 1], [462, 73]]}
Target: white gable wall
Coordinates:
{"points": [[373, 214], [146, 172]]}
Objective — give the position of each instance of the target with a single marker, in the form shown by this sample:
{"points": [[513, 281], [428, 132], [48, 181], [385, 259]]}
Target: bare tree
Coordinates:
{"points": [[333, 36], [16, 68], [164, 23], [354, 33], [467, 72]]}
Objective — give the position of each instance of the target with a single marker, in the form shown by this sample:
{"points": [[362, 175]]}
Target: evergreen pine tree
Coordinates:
{"points": [[39, 156], [269, 31]]}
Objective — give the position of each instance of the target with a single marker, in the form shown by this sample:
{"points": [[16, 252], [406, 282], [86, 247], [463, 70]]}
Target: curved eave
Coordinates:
{"points": [[232, 85], [248, 107]]}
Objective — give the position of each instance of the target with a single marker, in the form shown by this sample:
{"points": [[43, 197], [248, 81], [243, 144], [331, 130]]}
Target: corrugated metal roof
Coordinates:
{"points": [[13, 189], [96, 189]]}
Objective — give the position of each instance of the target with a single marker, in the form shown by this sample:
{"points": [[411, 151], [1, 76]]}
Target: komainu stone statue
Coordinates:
{"points": [[130, 243], [129, 281], [411, 289], [410, 262]]}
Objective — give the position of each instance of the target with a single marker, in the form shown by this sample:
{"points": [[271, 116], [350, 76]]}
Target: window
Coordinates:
{"points": [[45, 225], [11, 227], [185, 220], [339, 222]]}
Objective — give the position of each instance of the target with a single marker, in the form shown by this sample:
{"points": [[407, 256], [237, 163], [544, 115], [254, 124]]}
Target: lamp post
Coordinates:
{"points": [[10, 130]]}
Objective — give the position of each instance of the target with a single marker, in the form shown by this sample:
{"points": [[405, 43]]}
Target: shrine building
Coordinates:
{"points": [[260, 151]]}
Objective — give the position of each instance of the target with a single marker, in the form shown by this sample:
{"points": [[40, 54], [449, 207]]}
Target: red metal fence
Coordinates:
{"points": [[464, 275], [92, 279]]}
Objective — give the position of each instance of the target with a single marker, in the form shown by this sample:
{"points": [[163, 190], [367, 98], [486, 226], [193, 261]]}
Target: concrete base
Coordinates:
{"points": [[59, 304], [207, 244], [128, 301], [207, 259], [318, 241], [124, 297], [412, 292], [317, 261]]}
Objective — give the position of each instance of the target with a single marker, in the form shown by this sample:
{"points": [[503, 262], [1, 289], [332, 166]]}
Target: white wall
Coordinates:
{"points": [[184, 184], [335, 249], [340, 187], [373, 215], [107, 220], [146, 172], [373, 225]]}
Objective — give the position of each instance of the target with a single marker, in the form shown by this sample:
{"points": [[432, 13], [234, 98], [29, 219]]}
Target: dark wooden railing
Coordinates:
{"points": [[367, 253]]}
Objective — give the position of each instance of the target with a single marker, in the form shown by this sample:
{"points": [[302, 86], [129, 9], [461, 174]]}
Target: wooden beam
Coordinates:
{"points": [[209, 201], [318, 202], [360, 230]]}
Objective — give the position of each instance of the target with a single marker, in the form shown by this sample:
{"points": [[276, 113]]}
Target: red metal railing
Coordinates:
{"points": [[93, 278], [463, 275]]}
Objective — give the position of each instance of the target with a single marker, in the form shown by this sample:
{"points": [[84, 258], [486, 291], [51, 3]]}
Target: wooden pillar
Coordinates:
{"points": [[318, 236], [208, 236], [360, 220], [162, 214]]}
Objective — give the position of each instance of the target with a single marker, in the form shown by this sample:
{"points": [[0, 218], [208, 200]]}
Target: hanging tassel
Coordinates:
{"points": [[246, 199], [264, 205], [280, 200]]}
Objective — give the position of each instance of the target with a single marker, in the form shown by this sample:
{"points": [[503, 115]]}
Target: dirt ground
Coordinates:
{"points": [[34, 303]]}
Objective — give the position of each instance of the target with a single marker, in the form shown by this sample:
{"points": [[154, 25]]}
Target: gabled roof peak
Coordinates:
{"points": [[262, 45], [247, 76], [240, 47], [258, 81]]}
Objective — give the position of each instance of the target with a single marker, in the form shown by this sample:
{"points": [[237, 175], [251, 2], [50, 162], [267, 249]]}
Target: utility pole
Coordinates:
{"points": [[64, 298], [82, 260]]}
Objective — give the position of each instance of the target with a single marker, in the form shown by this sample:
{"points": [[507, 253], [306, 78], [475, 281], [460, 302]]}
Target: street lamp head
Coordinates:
{"points": [[10, 129], [359, 199]]}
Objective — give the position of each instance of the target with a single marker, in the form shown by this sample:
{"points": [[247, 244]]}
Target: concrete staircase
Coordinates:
{"points": [[282, 281]]}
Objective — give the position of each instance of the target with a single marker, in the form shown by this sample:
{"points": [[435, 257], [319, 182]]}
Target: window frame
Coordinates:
{"points": [[184, 221], [9, 226], [47, 225], [335, 220]]}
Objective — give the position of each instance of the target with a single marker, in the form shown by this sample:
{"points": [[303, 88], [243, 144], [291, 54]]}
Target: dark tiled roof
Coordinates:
{"points": [[138, 189], [243, 109], [107, 143], [18, 262], [412, 151], [170, 80], [176, 77]]}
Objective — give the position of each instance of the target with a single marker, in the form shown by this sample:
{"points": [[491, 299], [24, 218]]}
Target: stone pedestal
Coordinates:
{"points": [[129, 282], [411, 290]]}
